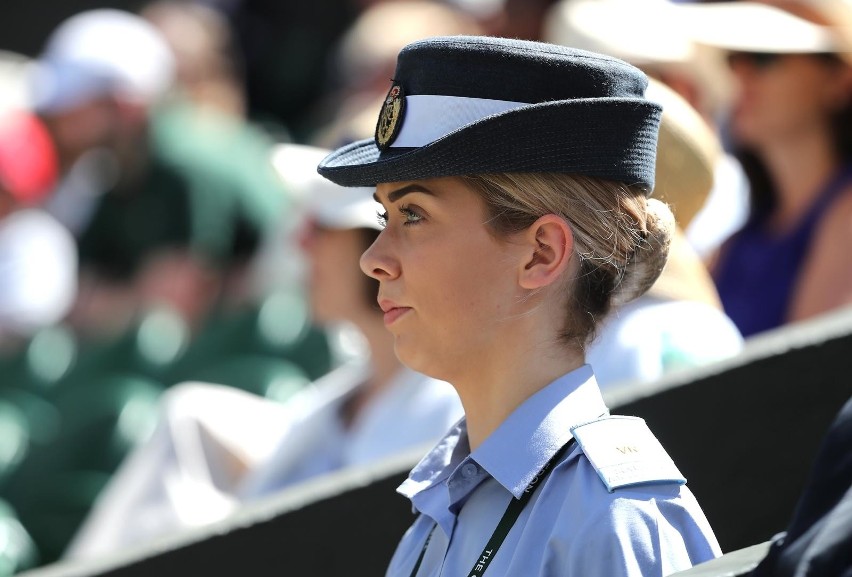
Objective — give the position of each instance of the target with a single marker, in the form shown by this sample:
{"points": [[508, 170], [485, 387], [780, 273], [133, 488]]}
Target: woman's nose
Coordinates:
{"points": [[377, 262]]}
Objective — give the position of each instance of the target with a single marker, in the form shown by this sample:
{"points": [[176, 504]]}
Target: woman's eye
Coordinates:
{"points": [[382, 218], [410, 216]]}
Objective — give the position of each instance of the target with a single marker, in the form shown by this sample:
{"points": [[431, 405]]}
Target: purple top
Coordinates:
{"points": [[757, 271]]}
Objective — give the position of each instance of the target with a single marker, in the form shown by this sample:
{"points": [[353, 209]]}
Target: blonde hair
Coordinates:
{"points": [[620, 237]]}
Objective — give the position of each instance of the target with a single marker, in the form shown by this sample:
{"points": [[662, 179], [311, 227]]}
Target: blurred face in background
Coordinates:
{"points": [[336, 284], [108, 123], [784, 96], [83, 127]]}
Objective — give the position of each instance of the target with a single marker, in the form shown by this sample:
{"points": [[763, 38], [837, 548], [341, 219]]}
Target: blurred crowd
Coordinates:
{"points": [[183, 324]]}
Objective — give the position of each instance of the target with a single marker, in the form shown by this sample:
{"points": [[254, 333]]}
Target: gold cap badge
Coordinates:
{"points": [[390, 117]]}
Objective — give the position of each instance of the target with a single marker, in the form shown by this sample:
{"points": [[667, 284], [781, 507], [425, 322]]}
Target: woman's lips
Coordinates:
{"points": [[392, 314]]}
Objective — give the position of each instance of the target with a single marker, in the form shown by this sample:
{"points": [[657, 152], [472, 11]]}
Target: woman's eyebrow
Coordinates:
{"points": [[395, 195]]}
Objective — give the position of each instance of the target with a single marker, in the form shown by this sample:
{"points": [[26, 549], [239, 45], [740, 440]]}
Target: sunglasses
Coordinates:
{"points": [[763, 60], [758, 60]]}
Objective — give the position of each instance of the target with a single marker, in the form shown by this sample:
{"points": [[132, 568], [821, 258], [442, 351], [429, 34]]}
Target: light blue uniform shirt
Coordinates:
{"points": [[573, 526]]}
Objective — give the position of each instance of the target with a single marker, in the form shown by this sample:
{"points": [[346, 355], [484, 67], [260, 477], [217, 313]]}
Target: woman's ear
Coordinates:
{"points": [[551, 246]]}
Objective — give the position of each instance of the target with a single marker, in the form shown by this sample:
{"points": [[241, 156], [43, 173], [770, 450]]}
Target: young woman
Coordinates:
{"points": [[514, 177]]}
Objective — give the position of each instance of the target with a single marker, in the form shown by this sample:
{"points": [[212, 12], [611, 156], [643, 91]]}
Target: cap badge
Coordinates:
{"points": [[390, 117]]}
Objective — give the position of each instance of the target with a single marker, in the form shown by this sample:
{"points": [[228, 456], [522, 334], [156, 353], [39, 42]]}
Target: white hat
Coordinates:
{"points": [[329, 204], [759, 27], [14, 89], [646, 33], [638, 31], [101, 52]]}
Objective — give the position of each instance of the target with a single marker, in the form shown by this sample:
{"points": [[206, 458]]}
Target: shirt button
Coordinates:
{"points": [[469, 470]]}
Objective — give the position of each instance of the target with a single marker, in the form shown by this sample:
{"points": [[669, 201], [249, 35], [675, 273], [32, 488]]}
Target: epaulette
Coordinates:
{"points": [[625, 452]]}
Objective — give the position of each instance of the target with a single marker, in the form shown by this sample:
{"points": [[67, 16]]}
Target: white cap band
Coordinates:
{"points": [[429, 117]]}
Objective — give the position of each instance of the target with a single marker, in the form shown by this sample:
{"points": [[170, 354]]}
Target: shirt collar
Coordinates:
{"points": [[534, 432], [439, 462], [520, 447]]}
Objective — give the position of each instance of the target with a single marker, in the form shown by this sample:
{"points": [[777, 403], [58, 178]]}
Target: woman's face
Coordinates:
{"points": [[446, 284], [785, 96], [335, 281]]}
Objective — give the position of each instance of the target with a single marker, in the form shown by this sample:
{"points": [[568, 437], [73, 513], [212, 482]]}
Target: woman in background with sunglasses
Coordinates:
{"points": [[791, 123]]}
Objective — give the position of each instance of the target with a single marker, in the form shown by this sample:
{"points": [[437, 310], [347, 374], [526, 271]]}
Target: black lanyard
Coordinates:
{"points": [[513, 511]]}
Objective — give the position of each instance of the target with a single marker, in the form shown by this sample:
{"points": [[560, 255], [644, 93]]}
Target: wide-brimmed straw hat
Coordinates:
{"points": [[474, 105]]}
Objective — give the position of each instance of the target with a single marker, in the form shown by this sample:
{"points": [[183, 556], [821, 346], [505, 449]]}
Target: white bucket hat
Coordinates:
{"points": [[100, 52], [328, 204], [638, 31]]}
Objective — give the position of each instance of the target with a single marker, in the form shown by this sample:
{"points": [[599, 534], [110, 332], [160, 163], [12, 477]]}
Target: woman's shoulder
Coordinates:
{"points": [[837, 219], [636, 523], [833, 233], [825, 279]]}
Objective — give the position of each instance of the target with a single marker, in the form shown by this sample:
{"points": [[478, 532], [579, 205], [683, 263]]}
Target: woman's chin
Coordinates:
{"points": [[409, 355]]}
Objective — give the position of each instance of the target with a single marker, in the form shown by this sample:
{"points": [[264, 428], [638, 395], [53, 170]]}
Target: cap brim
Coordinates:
{"points": [[513, 142]]}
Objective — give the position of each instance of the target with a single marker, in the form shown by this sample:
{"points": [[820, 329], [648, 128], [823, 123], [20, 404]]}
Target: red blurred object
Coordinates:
{"points": [[28, 164]]}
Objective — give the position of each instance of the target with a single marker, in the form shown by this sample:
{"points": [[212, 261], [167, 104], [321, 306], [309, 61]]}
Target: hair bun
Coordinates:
{"points": [[650, 255]]}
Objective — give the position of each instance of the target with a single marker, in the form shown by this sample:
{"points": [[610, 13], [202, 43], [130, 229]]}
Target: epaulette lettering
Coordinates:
{"points": [[625, 452]]}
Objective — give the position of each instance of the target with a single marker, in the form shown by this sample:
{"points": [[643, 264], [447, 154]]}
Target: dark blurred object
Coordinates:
{"points": [[286, 47], [818, 541], [24, 24], [54, 486], [365, 58], [276, 328]]}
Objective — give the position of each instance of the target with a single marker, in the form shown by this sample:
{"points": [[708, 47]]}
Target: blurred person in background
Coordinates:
{"points": [[365, 57], [522, 19], [97, 78], [208, 66], [790, 122], [161, 218], [203, 127], [216, 447]]}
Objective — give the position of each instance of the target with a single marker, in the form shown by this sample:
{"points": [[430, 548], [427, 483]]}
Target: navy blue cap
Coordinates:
{"points": [[464, 105]]}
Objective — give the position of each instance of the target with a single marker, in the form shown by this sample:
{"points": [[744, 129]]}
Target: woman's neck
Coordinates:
{"points": [[508, 374], [799, 168]]}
